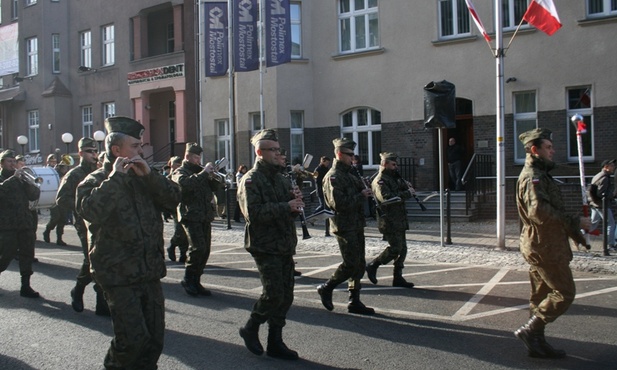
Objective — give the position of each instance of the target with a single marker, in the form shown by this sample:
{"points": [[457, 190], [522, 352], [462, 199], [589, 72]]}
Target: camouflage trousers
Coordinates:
{"points": [[351, 245], [17, 243], [552, 290], [138, 318], [277, 279], [179, 238], [199, 235], [83, 277], [396, 250]]}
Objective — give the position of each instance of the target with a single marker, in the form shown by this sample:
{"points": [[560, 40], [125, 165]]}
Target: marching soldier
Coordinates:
{"points": [[269, 206], [392, 220], [196, 214], [65, 201], [544, 242], [345, 195], [122, 204], [179, 238]]}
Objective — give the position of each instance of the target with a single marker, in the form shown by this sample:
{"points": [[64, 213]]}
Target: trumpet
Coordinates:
{"points": [[67, 160], [223, 178], [27, 175]]}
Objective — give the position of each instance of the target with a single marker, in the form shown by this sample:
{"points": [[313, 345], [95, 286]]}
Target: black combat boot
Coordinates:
{"points": [[250, 334], [548, 349], [182, 256], [171, 253], [60, 242], [189, 283], [102, 308], [276, 346], [399, 281], [200, 288], [531, 334], [77, 298], [355, 306], [26, 290], [325, 292], [46, 235], [371, 271]]}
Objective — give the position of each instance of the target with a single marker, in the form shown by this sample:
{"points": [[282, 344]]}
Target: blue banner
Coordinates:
{"points": [[216, 48], [246, 35], [278, 32]]}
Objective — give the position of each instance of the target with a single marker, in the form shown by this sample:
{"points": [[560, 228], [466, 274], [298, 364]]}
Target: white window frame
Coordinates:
{"points": [[606, 8], [587, 113], [455, 7], [170, 38], [509, 13], [33, 131], [223, 141], [369, 155], [85, 43], [345, 21], [521, 122], [296, 133], [14, 9], [32, 56], [296, 29], [87, 119], [108, 45], [109, 110], [55, 53]]}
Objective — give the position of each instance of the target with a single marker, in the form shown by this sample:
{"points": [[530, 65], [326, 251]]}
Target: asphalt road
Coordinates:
{"points": [[458, 317]]}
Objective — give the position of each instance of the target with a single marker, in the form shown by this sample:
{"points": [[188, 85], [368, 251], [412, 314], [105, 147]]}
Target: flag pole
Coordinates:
{"points": [[261, 63], [515, 32], [230, 56], [500, 118]]}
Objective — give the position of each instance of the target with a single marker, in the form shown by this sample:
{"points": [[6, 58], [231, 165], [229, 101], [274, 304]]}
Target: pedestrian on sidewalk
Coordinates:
{"points": [[601, 191]]}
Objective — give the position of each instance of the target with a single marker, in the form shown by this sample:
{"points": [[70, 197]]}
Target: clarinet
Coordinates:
{"points": [[368, 187], [305, 232]]}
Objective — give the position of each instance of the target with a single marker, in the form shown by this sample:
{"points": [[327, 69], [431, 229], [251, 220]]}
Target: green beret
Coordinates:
{"points": [[124, 125], [51, 157], [7, 154], [175, 159], [389, 156], [605, 162], [267, 134], [537, 133], [20, 158], [87, 143], [344, 143], [193, 148]]}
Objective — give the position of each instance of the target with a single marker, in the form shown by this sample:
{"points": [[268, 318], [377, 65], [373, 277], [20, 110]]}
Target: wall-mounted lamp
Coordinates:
{"points": [[511, 79], [50, 126], [147, 106], [85, 69]]}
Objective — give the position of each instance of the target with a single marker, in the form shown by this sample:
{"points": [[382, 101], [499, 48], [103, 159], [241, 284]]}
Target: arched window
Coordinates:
{"points": [[363, 125]]}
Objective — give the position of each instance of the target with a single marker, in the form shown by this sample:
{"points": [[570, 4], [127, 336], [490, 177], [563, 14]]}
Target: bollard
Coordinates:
{"points": [[448, 222]]}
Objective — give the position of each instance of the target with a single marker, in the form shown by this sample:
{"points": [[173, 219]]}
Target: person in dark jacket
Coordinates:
{"points": [[270, 206], [601, 188], [122, 204]]}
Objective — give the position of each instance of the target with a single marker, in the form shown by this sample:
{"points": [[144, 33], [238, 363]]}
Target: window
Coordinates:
{"points": [[109, 57], [513, 11], [363, 125], [223, 141], [170, 38], [33, 131], [55, 47], [296, 30], [296, 152], [109, 110], [525, 119], [453, 18], [85, 41], [86, 120], [14, 5], [579, 100], [358, 25], [598, 8], [32, 56]]}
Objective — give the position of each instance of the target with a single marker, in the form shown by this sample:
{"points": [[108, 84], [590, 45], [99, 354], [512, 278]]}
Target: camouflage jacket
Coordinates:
{"points": [[342, 192], [65, 198], [15, 196], [546, 225], [123, 215], [386, 185], [263, 196], [197, 193]]}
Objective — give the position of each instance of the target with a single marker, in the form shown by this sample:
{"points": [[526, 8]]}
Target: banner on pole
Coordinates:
{"points": [[278, 32], [216, 50], [246, 35]]}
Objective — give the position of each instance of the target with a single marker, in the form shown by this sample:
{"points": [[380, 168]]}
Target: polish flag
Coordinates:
{"points": [[542, 15], [476, 19]]}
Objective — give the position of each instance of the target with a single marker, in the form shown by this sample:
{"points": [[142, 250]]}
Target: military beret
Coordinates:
{"points": [[606, 162], [267, 134], [344, 143], [7, 154], [20, 158], [193, 148], [175, 159], [537, 133], [124, 125], [87, 142], [389, 156], [51, 157]]}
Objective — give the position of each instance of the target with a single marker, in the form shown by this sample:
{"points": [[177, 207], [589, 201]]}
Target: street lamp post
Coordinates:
{"points": [[22, 140], [99, 136], [67, 138]]}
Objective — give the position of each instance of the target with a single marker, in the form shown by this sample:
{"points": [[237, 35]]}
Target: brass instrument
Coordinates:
{"points": [[67, 160], [223, 178], [27, 175]]}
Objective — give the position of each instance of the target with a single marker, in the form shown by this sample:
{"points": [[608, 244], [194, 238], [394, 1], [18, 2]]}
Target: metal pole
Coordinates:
{"points": [[605, 226], [227, 205], [230, 57], [500, 144], [448, 217], [441, 185]]}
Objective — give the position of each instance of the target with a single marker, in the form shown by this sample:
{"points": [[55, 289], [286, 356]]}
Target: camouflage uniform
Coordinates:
{"points": [[123, 215]]}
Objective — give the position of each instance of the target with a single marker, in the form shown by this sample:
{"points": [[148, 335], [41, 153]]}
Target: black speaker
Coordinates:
{"points": [[439, 105]]}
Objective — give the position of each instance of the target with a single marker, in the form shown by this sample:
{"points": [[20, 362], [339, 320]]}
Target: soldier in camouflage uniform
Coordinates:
{"points": [[544, 242], [392, 220], [195, 213], [179, 238], [345, 195], [17, 225], [65, 201], [122, 204], [269, 206]]}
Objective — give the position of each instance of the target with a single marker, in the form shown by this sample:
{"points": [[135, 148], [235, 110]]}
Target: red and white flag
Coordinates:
{"points": [[476, 19], [542, 15]]}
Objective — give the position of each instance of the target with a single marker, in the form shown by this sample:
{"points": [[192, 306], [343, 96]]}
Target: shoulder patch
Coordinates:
{"points": [[332, 178], [248, 181], [535, 180], [380, 182]]}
